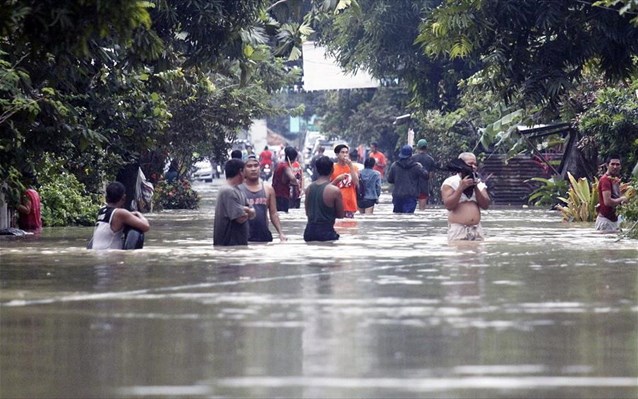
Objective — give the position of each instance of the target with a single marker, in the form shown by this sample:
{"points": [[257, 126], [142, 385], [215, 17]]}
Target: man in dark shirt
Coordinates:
{"points": [[261, 197], [324, 204], [232, 210], [428, 164]]}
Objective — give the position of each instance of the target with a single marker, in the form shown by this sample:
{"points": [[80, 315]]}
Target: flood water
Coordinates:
{"points": [[541, 309]]}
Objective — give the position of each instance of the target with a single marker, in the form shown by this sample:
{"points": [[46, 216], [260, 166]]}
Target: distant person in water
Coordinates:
{"points": [[284, 178], [345, 176], [609, 197], [29, 212], [232, 210], [115, 223], [173, 172], [464, 195], [323, 203]]}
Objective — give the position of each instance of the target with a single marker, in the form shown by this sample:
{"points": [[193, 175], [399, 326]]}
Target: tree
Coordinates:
{"points": [[379, 36], [90, 81], [535, 48]]}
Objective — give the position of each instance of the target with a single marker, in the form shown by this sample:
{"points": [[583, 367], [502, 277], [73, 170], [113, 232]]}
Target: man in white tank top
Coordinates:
{"points": [[113, 218], [464, 195]]}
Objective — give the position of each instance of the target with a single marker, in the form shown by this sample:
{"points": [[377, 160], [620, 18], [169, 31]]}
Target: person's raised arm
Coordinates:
{"points": [[354, 173], [451, 197], [292, 180]]}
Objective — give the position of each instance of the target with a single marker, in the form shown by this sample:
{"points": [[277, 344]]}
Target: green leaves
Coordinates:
{"points": [[581, 201]]}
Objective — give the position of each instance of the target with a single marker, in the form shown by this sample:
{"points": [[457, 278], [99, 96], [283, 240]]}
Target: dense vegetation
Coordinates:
{"points": [[101, 84]]}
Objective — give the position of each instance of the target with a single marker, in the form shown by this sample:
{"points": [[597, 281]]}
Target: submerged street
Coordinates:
{"points": [[541, 309]]}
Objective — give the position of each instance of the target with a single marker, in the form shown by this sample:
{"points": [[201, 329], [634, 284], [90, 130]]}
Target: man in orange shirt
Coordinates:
{"points": [[346, 176], [379, 158]]}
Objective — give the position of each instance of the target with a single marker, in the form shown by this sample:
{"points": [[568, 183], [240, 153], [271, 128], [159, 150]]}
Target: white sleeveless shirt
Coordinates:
{"points": [[103, 236]]}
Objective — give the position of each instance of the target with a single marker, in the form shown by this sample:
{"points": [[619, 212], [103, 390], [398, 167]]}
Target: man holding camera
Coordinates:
{"points": [[464, 195]]}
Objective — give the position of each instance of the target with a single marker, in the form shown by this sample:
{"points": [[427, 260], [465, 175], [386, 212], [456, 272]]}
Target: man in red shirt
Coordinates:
{"points": [[609, 197], [29, 217], [265, 157], [283, 179], [379, 158]]}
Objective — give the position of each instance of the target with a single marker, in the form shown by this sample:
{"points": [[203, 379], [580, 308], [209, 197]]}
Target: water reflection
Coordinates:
{"points": [[540, 309]]}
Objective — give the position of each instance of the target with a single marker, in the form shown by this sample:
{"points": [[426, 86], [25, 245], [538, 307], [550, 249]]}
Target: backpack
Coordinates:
{"points": [[361, 190]]}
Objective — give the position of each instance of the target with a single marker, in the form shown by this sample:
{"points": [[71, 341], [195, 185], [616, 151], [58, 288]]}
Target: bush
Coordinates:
{"points": [[549, 192], [629, 211], [177, 195], [581, 201], [65, 201]]}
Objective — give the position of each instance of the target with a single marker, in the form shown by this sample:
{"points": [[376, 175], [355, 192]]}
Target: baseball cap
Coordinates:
{"points": [[423, 143], [406, 152]]}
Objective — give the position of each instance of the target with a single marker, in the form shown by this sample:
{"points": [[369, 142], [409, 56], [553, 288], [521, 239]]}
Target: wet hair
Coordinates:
{"points": [[612, 156], [233, 167], [115, 192], [236, 154], [291, 153], [265, 148], [324, 166], [369, 163]]}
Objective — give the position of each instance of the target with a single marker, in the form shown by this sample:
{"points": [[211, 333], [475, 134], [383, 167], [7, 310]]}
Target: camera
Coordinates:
{"points": [[459, 166]]}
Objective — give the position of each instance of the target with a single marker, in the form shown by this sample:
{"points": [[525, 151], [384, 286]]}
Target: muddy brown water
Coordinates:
{"points": [[541, 309]]}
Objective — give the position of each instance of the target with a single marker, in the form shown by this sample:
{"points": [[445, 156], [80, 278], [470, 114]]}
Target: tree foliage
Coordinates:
{"points": [[534, 49], [379, 36], [102, 83]]}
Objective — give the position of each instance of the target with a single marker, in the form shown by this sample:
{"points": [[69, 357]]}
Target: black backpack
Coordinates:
{"points": [[361, 190]]}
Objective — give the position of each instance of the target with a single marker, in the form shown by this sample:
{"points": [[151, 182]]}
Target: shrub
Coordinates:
{"points": [[549, 192], [65, 201], [629, 211], [177, 195], [581, 201]]}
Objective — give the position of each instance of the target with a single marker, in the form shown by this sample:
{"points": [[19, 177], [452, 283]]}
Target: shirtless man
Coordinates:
{"points": [[261, 197], [464, 208]]}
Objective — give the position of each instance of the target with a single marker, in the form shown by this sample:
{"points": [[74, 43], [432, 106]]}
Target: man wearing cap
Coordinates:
{"points": [[380, 161], [404, 174], [345, 175], [261, 197], [428, 164]]}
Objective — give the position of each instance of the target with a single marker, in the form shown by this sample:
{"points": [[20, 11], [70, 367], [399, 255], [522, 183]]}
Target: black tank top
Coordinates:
{"points": [[318, 211], [258, 227]]}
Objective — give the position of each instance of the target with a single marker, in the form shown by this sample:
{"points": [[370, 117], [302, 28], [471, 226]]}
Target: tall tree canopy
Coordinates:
{"points": [[537, 48], [379, 36], [98, 83]]}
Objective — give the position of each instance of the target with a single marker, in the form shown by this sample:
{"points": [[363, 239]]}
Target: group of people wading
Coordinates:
{"points": [[245, 203]]}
